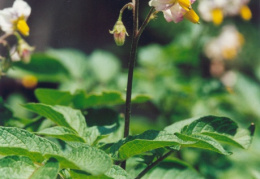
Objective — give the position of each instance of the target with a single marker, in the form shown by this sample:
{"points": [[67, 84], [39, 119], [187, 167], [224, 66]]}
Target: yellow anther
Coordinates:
{"points": [[23, 27], [229, 53], [192, 16], [245, 13], [185, 4], [217, 16]]}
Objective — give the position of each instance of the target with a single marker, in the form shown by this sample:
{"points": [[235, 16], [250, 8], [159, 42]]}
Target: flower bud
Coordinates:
{"points": [[24, 51], [119, 32]]}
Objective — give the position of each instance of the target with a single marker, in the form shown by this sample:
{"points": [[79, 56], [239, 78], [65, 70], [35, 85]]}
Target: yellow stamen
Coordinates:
{"points": [[229, 53], [192, 16], [29, 81], [245, 13], [23, 27], [217, 16], [185, 4]]}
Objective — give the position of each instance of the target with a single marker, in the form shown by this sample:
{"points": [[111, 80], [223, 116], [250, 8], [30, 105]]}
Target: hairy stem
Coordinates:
{"points": [[149, 167]]}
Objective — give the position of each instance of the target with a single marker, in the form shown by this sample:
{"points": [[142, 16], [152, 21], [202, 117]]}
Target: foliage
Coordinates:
{"points": [[86, 151]]}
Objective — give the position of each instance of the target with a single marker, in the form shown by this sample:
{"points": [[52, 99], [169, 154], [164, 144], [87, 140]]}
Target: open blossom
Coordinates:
{"points": [[216, 10], [176, 10], [219, 49], [14, 18]]}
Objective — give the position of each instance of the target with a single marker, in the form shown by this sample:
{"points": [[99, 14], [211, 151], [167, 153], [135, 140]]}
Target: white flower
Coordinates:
{"points": [[216, 10], [14, 18], [176, 10], [226, 45]]}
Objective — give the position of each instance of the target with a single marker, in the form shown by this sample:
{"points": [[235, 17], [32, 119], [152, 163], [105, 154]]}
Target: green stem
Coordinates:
{"points": [[128, 5], [149, 167]]}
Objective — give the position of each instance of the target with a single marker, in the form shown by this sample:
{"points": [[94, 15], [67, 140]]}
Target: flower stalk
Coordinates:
{"points": [[135, 39]]}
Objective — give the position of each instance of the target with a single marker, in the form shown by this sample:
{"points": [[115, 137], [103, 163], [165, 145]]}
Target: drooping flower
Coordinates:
{"points": [[176, 10], [119, 32], [14, 18]]}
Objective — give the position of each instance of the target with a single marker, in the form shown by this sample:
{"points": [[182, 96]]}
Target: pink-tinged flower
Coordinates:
{"points": [[14, 18], [24, 51], [176, 10], [119, 32]]}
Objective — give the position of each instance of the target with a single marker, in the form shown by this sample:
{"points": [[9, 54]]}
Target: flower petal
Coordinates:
{"points": [[6, 19], [22, 8], [175, 13], [161, 5]]}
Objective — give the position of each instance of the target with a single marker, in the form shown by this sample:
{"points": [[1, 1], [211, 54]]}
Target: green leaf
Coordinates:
{"points": [[49, 170], [89, 159], [14, 141], [141, 98], [149, 140], [53, 97], [117, 172], [62, 133], [210, 131], [5, 113], [61, 115], [75, 61], [114, 172], [99, 132], [16, 167], [43, 67], [203, 142], [104, 65], [77, 174], [172, 169], [82, 100]]}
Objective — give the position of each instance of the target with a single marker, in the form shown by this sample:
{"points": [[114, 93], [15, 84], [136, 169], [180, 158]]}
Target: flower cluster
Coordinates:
{"points": [[173, 10], [13, 21], [176, 10], [216, 10], [219, 51]]}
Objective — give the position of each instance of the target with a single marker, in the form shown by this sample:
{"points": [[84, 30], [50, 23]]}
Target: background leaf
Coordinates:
{"points": [[172, 169], [53, 97], [43, 67]]}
